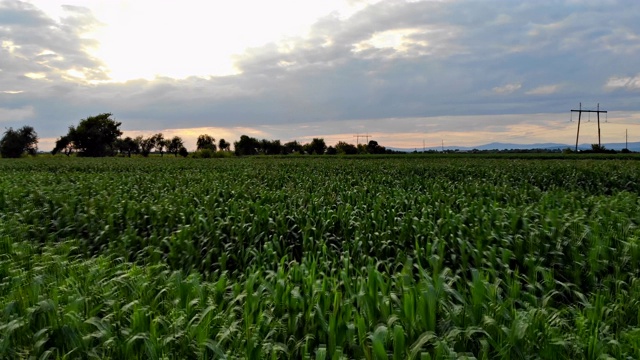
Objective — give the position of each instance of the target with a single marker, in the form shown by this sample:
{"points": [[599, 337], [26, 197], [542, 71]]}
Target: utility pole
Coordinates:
{"points": [[626, 139], [358, 136], [580, 111], [598, 112], [442, 145]]}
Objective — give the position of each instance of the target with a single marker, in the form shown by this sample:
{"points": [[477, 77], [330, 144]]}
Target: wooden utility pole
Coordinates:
{"points": [[626, 139], [580, 111]]}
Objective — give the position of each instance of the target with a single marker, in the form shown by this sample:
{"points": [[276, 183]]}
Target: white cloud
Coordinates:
{"points": [[628, 83], [400, 40], [544, 90], [508, 88]]}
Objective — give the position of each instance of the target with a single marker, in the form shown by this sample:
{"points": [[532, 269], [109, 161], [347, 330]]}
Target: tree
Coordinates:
{"points": [[246, 146], [273, 147], [292, 147], [160, 143], [95, 136], [344, 148], [317, 146], [127, 146], [374, 148], [183, 152], [175, 145], [146, 145], [14, 143], [206, 142], [224, 145], [331, 150], [64, 145]]}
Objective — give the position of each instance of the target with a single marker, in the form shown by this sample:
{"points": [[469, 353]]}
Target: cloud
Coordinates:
{"points": [[507, 89], [626, 83], [544, 90], [37, 47], [449, 63]]}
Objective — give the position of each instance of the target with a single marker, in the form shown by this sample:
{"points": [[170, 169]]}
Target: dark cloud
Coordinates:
{"points": [[392, 60]]}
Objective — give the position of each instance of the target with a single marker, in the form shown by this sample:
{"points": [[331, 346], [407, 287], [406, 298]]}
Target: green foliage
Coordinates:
{"points": [[94, 136], [210, 154], [14, 143], [155, 141], [327, 258]]}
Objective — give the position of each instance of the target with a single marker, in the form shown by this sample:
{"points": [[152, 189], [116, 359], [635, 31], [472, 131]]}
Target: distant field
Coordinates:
{"points": [[393, 257]]}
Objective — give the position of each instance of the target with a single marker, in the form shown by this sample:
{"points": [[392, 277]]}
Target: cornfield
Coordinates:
{"points": [[319, 258]]}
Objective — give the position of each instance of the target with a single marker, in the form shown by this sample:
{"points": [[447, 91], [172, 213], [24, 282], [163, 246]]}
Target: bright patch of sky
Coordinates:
{"points": [[165, 38]]}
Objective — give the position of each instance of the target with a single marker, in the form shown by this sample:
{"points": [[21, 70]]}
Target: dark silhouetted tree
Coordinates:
{"points": [[292, 147], [224, 145], [175, 144], [160, 143], [96, 135], [63, 145], [147, 145], [331, 151], [127, 146], [273, 147], [183, 152], [246, 145], [317, 146], [344, 148], [374, 148], [206, 142], [14, 143]]}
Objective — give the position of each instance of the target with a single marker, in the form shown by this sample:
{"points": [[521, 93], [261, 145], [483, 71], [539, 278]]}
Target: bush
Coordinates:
{"points": [[183, 152], [210, 154]]}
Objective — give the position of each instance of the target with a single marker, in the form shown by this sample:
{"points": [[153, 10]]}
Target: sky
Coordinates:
{"points": [[408, 73]]}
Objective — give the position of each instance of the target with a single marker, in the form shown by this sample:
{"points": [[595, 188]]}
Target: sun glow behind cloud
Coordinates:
{"points": [[145, 39]]}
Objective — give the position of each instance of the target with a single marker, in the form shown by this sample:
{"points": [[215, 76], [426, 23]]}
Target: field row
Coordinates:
{"points": [[289, 258]]}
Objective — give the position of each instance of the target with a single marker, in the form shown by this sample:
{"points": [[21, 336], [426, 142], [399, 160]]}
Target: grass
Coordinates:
{"points": [[320, 258]]}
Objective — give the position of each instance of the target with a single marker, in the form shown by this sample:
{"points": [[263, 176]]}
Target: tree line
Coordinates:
{"points": [[100, 135]]}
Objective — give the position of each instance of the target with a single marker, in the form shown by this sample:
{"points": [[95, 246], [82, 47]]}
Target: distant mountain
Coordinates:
{"points": [[507, 146], [633, 146]]}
